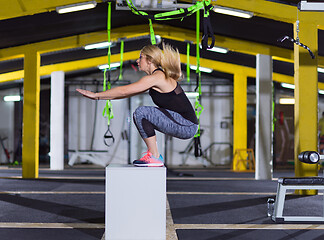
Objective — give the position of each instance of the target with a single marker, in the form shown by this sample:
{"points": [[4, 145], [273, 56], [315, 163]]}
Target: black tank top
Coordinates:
{"points": [[176, 101]]}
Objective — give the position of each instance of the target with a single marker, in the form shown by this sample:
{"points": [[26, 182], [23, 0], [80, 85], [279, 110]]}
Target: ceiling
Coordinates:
{"points": [[28, 25]]}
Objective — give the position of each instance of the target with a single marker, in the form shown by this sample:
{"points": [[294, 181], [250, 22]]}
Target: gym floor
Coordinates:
{"points": [[202, 204]]}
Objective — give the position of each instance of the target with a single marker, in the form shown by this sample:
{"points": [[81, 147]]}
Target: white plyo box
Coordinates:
{"points": [[135, 202]]}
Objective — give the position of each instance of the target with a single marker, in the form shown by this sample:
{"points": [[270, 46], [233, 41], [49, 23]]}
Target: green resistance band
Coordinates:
{"points": [[121, 60], [107, 112]]}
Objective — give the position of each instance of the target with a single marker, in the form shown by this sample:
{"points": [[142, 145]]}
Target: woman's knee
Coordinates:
{"points": [[142, 112], [137, 113], [188, 132]]}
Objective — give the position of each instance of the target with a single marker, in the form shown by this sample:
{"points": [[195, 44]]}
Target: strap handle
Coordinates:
{"points": [[109, 138], [208, 30]]}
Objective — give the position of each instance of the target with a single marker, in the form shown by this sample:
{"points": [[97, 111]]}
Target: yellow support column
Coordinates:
{"points": [[239, 117], [30, 149], [306, 97]]}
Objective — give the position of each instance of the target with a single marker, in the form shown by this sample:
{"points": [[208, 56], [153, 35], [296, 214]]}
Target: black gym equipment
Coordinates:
{"points": [[310, 157], [276, 207]]}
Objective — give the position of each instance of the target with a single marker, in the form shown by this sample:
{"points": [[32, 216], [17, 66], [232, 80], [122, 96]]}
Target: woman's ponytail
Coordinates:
{"points": [[170, 62]]}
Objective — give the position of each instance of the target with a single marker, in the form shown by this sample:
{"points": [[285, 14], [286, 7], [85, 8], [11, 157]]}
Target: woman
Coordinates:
{"points": [[174, 115]]}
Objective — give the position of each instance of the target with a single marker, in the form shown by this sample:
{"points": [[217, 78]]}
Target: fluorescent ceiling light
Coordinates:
{"points": [[112, 66], [311, 6], [76, 7], [288, 85], [217, 49], [321, 92], [202, 69], [12, 98], [233, 12], [321, 70], [192, 94], [98, 45], [286, 101]]}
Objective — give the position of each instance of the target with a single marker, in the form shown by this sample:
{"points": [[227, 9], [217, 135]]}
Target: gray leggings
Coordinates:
{"points": [[148, 118]]}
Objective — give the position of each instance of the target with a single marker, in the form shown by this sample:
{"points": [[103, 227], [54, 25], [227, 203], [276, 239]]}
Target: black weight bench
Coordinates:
{"points": [[300, 183]]}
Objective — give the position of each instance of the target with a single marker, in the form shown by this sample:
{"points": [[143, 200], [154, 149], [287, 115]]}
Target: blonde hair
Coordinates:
{"points": [[168, 60]]}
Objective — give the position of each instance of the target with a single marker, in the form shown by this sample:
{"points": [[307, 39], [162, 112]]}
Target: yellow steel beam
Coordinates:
{"points": [[232, 69], [306, 85], [9, 54], [164, 31], [141, 30], [94, 62], [233, 44], [87, 63], [11, 76], [30, 149], [272, 10], [239, 117], [76, 41], [260, 8]]}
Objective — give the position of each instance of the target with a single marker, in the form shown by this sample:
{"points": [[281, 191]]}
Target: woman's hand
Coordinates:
{"points": [[88, 94]]}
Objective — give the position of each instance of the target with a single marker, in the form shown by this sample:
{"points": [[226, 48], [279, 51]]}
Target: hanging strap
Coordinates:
{"points": [[197, 46], [107, 111], [121, 60], [153, 42], [188, 62], [297, 43], [198, 107], [208, 30]]}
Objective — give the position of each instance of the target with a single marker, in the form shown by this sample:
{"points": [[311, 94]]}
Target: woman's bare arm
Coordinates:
{"points": [[120, 92]]}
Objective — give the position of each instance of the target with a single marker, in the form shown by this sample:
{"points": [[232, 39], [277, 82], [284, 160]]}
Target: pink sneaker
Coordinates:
{"points": [[149, 161]]}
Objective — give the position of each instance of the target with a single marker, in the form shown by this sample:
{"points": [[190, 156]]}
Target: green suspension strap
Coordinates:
{"points": [[198, 75], [198, 107], [274, 118], [176, 14], [121, 60], [180, 14], [107, 112], [188, 62], [153, 42]]}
